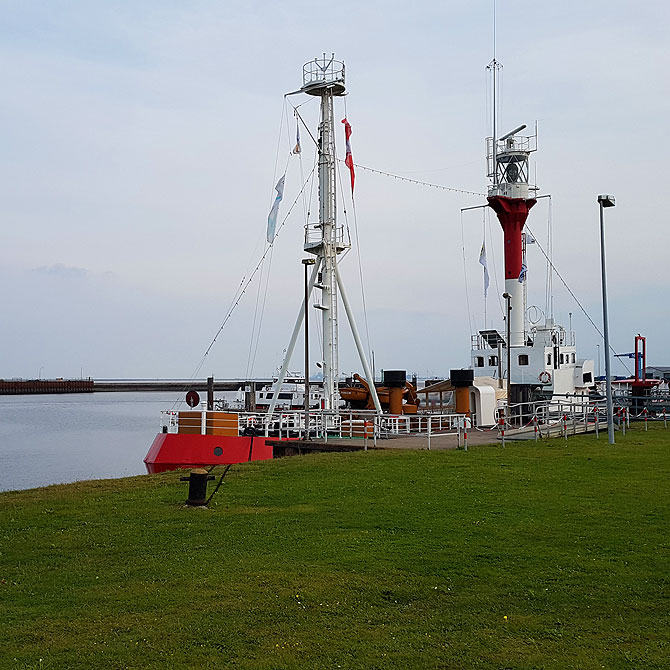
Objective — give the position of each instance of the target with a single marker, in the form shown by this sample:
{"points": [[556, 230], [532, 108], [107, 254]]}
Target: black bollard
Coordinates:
{"points": [[197, 487]]}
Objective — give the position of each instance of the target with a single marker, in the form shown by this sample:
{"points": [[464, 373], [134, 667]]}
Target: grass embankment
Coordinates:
{"points": [[552, 555]]}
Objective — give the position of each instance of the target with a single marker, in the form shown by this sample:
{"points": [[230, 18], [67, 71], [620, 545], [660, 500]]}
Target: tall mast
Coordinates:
{"points": [[324, 77]]}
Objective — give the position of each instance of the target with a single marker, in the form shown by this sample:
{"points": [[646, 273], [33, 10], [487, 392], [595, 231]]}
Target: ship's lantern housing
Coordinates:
{"points": [[509, 167]]}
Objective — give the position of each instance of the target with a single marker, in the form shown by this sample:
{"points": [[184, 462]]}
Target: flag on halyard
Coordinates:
{"points": [[348, 159], [522, 274], [297, 148], [272, 216], [529, 238], [482, 261]]}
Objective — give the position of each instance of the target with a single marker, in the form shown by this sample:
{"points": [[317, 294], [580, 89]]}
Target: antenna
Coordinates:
{"points": [[494, 66], [513, 132]]}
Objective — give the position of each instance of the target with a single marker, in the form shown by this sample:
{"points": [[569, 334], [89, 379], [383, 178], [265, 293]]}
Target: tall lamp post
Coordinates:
{"points": [[307, 262], [606, 201], [508, 298]]}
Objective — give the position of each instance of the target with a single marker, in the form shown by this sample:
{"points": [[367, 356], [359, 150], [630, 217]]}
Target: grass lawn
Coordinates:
{"points": [[547, 555]]}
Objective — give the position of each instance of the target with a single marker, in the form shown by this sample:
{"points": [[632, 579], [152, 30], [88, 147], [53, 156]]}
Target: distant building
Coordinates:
{"points": [[658, 372]]}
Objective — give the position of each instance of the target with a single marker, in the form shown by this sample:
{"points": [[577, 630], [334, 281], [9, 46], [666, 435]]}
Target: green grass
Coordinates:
{"points": [[362, 560]]}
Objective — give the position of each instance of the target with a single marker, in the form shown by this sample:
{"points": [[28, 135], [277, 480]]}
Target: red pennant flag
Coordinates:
{"points": [[348, 160]]}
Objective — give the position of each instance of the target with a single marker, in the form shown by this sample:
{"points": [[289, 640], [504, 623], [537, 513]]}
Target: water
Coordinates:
{"points": [[52, 439]]}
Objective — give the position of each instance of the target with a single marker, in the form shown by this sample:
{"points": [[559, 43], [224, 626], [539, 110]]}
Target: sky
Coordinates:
{"points": [[141, 142]]}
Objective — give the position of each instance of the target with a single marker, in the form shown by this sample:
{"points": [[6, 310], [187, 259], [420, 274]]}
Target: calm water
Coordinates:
{"points": [[50, 439]]}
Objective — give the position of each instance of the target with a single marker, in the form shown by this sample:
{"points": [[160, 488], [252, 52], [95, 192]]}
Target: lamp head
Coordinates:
{"points": [[606, 200]]}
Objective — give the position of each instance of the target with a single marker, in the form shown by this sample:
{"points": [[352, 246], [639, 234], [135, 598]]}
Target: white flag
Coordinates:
{"points": [[272, 216], [482, 261]]}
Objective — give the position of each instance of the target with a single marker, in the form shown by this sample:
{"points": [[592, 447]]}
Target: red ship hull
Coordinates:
{"points": [[171, 451]]}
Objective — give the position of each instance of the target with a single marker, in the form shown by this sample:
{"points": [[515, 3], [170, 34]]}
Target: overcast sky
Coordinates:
{"points": [[137, 167]]}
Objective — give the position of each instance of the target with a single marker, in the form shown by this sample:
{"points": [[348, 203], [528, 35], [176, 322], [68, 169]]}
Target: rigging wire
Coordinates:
{"points": [[305, 126], [549, 291], [258, 317], [360, 264], [253, 325], [465, 277], [415, 181], [260, 325], [484, 248], [570, 291], [493, 262], [245, 285]]}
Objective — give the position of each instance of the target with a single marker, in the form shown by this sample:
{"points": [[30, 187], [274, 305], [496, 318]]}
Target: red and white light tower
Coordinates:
{"points": [[511, 197]]}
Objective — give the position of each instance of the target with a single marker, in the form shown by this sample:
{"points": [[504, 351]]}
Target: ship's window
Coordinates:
{"points": [[572, 357], [562, 359], [587, 377], [268, 396], [523, 359], [493, 360], [548, 359], [285, 396], [479, 361]]}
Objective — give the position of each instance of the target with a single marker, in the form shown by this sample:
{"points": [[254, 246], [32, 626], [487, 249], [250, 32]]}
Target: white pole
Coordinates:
{"points": [[327, 219], [292, 341], [357, 340]]}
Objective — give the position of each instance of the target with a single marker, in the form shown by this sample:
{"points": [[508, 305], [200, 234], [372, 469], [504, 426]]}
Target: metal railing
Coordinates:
{"points": [[322, 70], [563, 416]]}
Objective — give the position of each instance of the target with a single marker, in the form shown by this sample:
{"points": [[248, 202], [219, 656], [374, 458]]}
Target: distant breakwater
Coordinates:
{"points": [[42, 386], [39, 386]]}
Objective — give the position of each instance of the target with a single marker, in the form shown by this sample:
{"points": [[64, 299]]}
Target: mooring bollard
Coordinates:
{"points": [[197, 487]]}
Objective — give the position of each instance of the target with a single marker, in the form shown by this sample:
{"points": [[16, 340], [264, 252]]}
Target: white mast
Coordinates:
{"points": [[324, 77]]}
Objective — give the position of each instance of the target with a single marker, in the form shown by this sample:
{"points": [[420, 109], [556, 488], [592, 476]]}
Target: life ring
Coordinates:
{"points": [[544, 377]]}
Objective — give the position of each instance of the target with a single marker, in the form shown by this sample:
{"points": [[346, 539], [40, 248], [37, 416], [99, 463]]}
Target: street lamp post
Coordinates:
{"points": [[508, 298], [606, 201], [306, 262]]}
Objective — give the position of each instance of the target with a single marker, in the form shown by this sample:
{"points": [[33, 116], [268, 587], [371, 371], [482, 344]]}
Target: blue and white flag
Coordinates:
{"points": [[482, 261], [522, 274], [272, 216]]}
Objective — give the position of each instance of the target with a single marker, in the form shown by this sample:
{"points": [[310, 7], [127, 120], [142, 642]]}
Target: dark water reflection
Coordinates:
{"points": [[49, 439]]}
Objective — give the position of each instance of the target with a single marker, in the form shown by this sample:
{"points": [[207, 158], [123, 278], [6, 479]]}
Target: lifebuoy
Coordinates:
{"points": [[544, 377]]}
